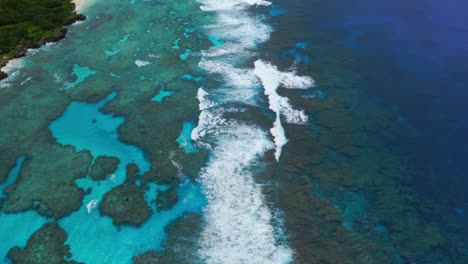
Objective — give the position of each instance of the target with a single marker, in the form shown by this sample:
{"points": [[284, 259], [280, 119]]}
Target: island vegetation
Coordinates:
{"points": [[26, 24]]}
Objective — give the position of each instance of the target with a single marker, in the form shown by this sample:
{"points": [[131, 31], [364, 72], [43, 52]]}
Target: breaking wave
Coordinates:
{"points": [[238, 224]]}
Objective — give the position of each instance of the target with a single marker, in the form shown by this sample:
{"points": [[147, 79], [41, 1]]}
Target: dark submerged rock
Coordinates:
{"points": [[166, 199], [132, 172], [102, 167], [126, 205], [3, 75], [181, 245], [149, 257]]}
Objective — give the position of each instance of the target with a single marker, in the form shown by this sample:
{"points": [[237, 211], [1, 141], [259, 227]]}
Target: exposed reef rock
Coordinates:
{"points": [[126, 205], [103, 166], [46, 181], [167, 199], [46, 246]]}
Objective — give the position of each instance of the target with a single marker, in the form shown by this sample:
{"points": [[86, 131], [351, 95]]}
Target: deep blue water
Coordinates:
{"points": [[414, 55], [417, 55]]}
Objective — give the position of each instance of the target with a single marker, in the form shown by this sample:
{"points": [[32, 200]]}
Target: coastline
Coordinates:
{"points": [[59, 34]]}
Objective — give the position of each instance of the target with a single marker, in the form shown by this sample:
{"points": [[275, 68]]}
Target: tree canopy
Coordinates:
{"points": [[25, 22]]}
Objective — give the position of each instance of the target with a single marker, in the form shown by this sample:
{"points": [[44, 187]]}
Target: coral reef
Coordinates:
{"points": [[46, 245], [126, 205], [181, 246], [132, 171], [103, 166], [46, 181], [166, 199], [150, 257]]}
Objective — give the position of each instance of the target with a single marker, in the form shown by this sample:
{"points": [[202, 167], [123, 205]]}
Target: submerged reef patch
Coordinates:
{"points": [[103, 167], [46, 181], [126, 205], [181, 245], [45, 246], [166, 199]]}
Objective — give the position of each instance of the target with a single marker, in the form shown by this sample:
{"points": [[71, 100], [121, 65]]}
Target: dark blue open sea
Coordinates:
{"points": [[240, 132]]}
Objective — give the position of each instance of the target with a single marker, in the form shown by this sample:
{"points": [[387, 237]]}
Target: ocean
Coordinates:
{"points": [[242, 131]]}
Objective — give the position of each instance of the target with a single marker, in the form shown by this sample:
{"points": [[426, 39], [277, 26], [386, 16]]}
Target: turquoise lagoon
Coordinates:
{"points": [[102, 53]]}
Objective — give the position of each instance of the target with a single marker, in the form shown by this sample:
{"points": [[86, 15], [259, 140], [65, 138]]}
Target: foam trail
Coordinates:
{"points": [[12, 69], [271, 79], [238, 224], [141, 63]]}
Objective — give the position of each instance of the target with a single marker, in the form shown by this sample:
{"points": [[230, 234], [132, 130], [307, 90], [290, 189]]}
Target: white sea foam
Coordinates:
{"points": [[111, 177], [82, 5], [235, 76], [25, 81], [271, 79], [238, 223], [214, 5], [91, 205], [12, 69], [141, 63], [14, 66], [238, 228]]}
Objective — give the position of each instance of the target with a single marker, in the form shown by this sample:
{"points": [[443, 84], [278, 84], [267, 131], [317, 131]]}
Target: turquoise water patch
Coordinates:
{"points": [[94, 239], [185, 55], [275, 10], [113, 52], [113, 75], [381, 229], [12, 175], [176, 44], [81, 74], [85, 127], [125, 38], [217, 42], [355, 207], [185, 140], [320, 94], [192, 78], [159, 97], [302, 45]]}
